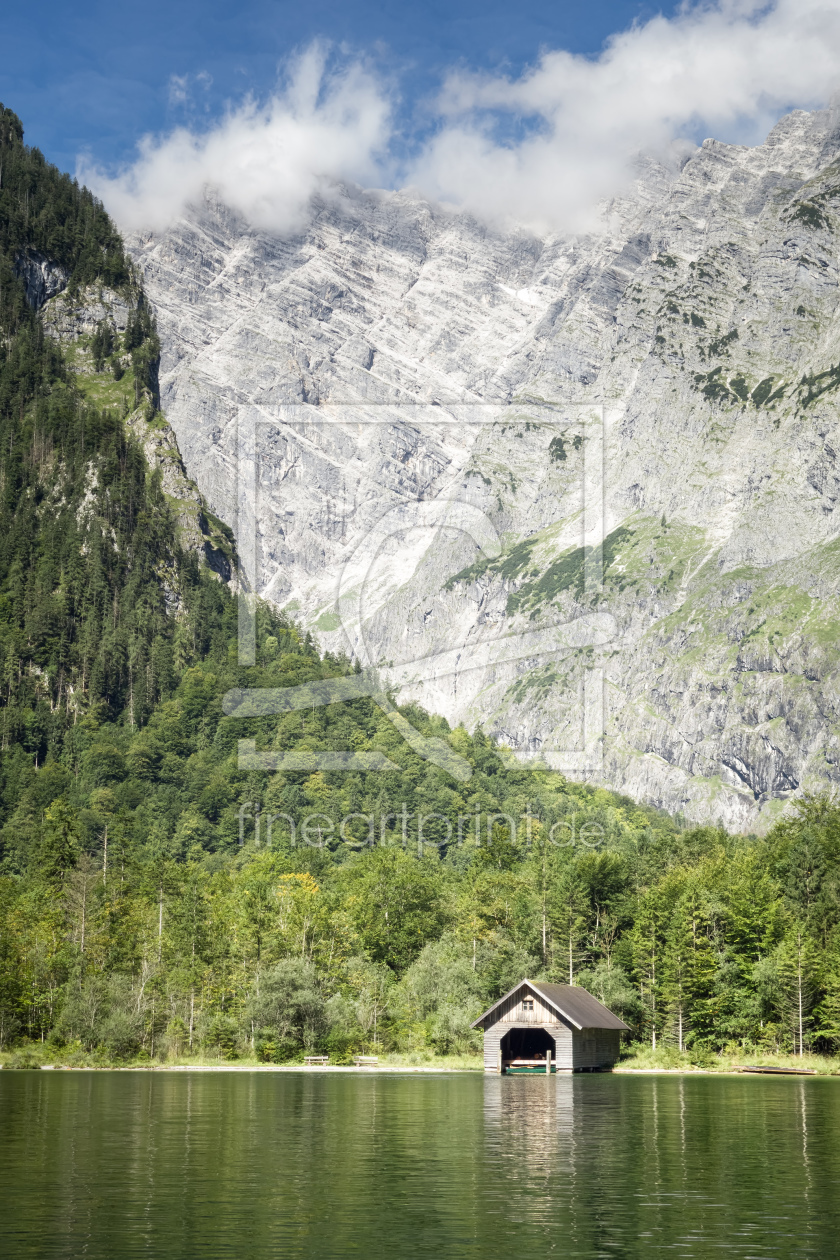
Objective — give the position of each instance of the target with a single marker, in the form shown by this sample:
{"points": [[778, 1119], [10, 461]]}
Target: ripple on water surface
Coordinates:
{"points": [[319, 1167]]}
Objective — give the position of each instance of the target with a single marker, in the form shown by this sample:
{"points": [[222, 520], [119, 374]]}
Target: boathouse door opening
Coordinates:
{"points": [[525, 1044]]}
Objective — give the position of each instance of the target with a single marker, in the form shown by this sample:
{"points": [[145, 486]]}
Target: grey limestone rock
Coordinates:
{"points": [[399, 409], [42, 277], [73, 315]]}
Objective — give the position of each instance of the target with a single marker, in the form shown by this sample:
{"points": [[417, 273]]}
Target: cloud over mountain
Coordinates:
{"points": [[541, 149], [265, 160]]}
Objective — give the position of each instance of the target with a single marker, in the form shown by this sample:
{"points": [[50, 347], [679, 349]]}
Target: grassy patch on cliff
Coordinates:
{"points": [[537, 684], [100, 389], [643, 554]]}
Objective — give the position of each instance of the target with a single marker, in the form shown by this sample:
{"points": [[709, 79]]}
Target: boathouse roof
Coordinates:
{"points": [[573, 1003]]}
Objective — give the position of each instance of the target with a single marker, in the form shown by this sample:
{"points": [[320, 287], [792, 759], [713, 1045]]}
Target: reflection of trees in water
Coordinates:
{"points": [[381, 1166], [636, 1164]]}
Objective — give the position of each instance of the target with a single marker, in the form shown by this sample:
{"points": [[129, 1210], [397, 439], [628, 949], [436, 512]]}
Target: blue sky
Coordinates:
{"points": [[93, 77], [532, 114]]}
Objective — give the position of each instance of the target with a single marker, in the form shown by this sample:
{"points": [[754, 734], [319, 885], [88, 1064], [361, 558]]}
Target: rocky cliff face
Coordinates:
{"points": [[42, 276], [75, 320], [573, 472]]}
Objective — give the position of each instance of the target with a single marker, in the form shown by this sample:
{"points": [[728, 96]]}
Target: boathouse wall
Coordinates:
{"points": [[595, 1048], [574, 1051]]}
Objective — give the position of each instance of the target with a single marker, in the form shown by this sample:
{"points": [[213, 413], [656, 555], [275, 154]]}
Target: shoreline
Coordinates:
{"points": [[319, 1069], [395, 1069]]}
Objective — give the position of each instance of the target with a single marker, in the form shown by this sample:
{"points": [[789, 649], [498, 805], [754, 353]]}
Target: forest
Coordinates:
{"points": [[159, 901]]}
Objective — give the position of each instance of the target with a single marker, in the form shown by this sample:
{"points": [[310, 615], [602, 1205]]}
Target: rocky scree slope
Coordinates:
{"points": [[393, 354]]}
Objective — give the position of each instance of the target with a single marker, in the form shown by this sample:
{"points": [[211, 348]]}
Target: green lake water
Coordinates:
{"points": [[250, 1165]]}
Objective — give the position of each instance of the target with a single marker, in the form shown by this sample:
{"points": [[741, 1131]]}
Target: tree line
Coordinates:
{"points": [[139, 916]]}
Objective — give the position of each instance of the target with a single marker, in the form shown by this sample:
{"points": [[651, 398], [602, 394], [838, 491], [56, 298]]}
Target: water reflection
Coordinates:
{"points": [[309, 1168], [529, 1123], [713, 1163], [551, 1137], [803, 1114]]}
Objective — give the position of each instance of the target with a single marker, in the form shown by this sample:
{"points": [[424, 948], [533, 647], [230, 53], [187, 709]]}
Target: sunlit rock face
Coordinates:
{"points": [[399, 410]]}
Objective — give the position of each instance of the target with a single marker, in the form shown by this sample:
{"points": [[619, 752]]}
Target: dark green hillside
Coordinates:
{"points": [[158, 899], [87, 561]]}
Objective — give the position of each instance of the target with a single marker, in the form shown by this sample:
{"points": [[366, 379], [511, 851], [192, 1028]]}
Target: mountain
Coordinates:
{"points": [[118, 623], [395, 353], [145, 901], [160, 895]]}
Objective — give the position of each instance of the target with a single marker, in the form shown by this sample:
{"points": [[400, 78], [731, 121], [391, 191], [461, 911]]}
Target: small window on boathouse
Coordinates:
{"points": [[527, 1004]]}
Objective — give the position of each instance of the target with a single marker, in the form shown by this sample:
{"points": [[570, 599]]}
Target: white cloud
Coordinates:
{"points": [[727, 68], [265, 161], [178, 88]]}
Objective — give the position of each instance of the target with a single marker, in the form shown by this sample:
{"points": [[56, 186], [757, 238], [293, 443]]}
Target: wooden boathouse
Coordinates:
{"points": [[534, 1019]]}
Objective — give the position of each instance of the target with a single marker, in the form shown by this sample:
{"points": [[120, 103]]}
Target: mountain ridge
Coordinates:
{"points": [[701, 320]]}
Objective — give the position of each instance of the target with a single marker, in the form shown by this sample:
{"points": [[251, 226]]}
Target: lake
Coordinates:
{"points": [[114, 1164]]}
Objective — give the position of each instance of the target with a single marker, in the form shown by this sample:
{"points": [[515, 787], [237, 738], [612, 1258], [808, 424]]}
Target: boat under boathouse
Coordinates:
{"points": [[533, 1019]]}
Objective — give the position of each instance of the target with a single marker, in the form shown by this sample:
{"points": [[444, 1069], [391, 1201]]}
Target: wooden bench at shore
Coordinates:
{"points": [[316, 1060], [365, 1060]]}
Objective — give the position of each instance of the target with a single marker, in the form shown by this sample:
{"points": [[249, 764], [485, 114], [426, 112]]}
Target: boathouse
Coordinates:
{"points": [[533, 1019]]}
